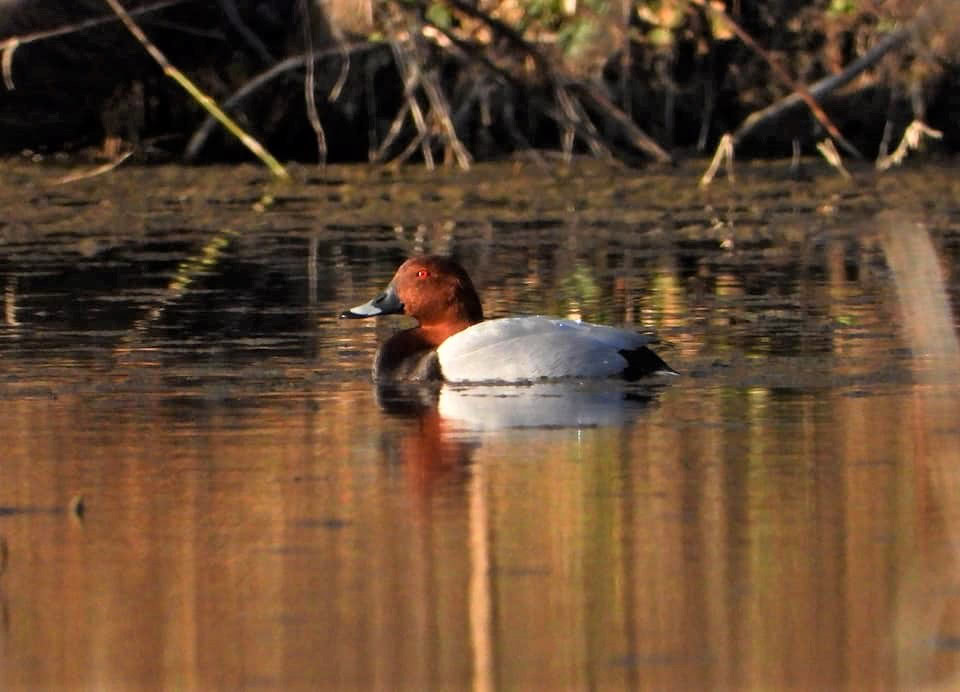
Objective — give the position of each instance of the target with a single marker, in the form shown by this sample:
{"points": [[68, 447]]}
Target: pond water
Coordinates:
{"points": [[200, 488]]}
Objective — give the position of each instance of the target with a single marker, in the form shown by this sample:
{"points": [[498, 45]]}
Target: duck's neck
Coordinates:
{"points": [[436, 334]]}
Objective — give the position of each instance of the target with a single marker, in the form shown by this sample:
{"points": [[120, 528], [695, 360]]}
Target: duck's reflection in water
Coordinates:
{"points": [[452, 421], [425, 449], [448, 425], [575, 404]]}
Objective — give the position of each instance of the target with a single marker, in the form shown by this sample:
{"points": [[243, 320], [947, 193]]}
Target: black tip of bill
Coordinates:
{"points": [[387, 303]]}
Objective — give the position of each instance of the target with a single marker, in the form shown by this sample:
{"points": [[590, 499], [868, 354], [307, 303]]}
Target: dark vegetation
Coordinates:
{"points": [[460, 80]]}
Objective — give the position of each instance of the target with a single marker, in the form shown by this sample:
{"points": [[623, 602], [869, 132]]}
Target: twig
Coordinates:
{"points": [[579, 120], [9, 46], [569, 136], [640, 139], [99, 170], [708, 105], [830, 153], [626, 58], [338, 40], [408, 150], [208, 103], [309, 84], [395, 128], [337, 87], [410, 72], [8, 51], [914, 133], [441, 111], [795, 158], [723, 154]]}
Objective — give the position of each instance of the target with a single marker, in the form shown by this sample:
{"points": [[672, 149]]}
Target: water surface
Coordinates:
{"points": [[201, 489]]}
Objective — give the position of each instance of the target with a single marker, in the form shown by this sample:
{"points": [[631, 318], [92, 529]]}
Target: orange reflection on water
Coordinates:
{"points": [[725, 539]]}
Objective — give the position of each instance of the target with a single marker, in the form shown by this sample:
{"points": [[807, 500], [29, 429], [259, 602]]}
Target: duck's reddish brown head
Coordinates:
{"points": [[436, 290], [432, 289]]}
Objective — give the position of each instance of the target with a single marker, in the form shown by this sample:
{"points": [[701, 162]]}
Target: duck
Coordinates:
{"points": [[452, 342]]}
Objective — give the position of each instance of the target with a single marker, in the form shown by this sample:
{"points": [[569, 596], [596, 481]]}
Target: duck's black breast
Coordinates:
{"points": [[417, 366]]}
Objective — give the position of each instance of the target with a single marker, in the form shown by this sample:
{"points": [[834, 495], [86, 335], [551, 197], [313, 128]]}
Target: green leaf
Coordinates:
{"points": [[439, 14]]}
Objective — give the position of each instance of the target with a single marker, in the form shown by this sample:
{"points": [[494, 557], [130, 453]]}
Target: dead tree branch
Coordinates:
{"points": [[562, 82], [823, 87], [798, 89]]}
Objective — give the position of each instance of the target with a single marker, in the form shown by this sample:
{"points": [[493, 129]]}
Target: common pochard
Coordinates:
{"points": [[452, 342]]}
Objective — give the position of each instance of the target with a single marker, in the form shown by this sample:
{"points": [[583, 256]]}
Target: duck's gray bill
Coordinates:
{"points": [[387, 303]]}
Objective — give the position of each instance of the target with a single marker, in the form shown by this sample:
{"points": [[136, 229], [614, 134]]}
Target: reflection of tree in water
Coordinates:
{"points": [[929, 609]]}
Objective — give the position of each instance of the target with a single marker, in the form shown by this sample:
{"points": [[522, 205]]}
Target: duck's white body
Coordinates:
{"points": [[523, 349]]}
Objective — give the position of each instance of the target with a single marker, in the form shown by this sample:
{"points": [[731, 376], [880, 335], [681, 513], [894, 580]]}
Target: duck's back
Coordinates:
{"points": [[519, 349]]}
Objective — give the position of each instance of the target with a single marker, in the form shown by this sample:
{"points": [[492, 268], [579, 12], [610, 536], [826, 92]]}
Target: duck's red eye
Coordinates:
{"points": [[423, 274]]}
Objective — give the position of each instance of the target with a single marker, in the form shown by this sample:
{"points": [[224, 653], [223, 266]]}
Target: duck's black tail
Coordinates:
{"points": [[642, 362]]}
